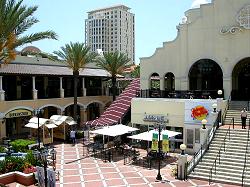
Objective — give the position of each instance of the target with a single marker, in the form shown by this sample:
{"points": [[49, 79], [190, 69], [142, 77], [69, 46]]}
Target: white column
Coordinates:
{"points": [[83, 87], [2, 92], [61, 88], [182, 160], [203, 135], [34, 88], [162, 83]]}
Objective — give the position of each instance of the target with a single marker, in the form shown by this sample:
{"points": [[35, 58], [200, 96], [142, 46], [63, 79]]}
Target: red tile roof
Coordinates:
{"points": [[49, 70]]}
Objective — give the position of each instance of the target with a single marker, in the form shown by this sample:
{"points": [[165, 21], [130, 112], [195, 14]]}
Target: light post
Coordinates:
{"points": [[214, 107], [204, 122], [37, 113], [183, 148], [159, 177], [42, 155], [53, 156]]}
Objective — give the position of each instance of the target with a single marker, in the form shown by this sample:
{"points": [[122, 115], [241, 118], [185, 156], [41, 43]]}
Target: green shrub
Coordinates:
{"points": [[79, 134], [2, 149], [21, 145], [11, 163]]}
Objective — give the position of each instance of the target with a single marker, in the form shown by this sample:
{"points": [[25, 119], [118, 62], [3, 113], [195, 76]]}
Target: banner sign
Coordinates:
{"points": [[51, 178], [40, 176], [165, 143], [154, 146], [197, 110]]}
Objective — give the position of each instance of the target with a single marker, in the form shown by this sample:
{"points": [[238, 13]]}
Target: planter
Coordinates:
{"points": [[18, 177]]}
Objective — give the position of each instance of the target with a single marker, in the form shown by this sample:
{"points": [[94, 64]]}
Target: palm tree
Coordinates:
{"points": [[114, 63], [76, 56], [15, 19], [136, 72]]}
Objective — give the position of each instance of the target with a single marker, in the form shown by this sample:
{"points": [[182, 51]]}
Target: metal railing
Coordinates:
{"points": [[218, 156], [204, 147], [181, 94], [245, 161]]}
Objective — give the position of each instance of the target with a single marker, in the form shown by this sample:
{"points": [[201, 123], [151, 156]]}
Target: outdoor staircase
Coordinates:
{"points": [[234, 110], [232, 160]]}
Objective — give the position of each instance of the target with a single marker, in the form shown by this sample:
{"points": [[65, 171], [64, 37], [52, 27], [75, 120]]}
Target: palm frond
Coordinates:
{"points": [[35, 37], [15, 17], [75, 55]]}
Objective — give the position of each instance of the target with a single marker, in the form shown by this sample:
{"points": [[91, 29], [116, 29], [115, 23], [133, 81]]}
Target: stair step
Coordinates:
{"points": [[219, 179]]}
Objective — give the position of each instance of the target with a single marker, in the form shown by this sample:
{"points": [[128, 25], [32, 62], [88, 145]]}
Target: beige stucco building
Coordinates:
{"points": [[211, 52]]}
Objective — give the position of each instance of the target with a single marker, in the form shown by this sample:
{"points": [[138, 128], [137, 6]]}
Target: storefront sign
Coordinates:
{"points": [[18, 113], [154, 118]]}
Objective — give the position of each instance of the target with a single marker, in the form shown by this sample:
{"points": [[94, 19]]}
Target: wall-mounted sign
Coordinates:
{"points": [[199, 112], [18, 113], [155, 118]]}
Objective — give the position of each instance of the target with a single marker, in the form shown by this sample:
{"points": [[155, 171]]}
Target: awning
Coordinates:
{"points": [[33, 123], [35, 126], [42, 121], [114, 130], [59, 119], [148, 135], [118, 108]]}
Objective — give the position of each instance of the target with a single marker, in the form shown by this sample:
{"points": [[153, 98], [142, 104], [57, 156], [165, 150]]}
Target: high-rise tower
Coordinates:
{"points": [[111, 29]]}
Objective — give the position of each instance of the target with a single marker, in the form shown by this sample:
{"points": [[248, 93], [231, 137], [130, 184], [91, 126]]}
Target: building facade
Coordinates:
{"points": [[211, 52], [31, 83], [111, 29]]}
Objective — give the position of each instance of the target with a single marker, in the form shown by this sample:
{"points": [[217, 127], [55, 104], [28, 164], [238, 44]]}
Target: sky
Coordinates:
{"points": [[155, 21]]}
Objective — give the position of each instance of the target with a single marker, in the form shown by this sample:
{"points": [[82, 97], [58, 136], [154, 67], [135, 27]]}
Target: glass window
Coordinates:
{"points": [[190, 138], [197, 135]]}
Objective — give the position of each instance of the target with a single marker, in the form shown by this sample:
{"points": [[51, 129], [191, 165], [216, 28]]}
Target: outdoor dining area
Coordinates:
{"points": [[117, 142]]}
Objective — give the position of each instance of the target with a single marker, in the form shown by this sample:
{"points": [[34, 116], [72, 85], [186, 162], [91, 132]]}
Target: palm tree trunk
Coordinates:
{"points": [[114, 87], [75, 74]]}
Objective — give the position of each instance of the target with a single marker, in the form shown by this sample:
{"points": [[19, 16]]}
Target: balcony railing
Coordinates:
{"points": [[181, 94]]}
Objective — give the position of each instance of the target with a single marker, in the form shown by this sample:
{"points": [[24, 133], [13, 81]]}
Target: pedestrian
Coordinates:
{"points": [[243, 116], [73, 136]]}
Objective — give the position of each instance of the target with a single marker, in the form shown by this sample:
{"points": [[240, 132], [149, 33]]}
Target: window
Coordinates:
{"points": [[190, 137], [197, 135]]}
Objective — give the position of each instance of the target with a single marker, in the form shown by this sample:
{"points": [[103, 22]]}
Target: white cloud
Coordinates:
{"points": [[197, 3]]}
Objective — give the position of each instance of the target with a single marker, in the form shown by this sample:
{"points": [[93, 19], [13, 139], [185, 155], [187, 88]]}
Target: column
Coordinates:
{"points": [[83, 114], [181, 164], [2, 125], [162, 83], [2, 92], [203, 135], [61, 88], [34, 88], [182, 160], [84, 91]]}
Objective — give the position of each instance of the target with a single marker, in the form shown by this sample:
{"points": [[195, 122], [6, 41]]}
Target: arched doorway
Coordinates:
{"points": [[154, 85], [241, 80], [169, 81], [69, 111], [205, 74], [93, 111]]}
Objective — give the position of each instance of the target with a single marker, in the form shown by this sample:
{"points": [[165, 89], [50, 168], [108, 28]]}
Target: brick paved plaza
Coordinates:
{"points": [[78, 170]]}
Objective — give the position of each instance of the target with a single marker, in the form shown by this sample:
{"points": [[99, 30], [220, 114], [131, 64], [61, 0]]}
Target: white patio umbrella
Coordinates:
{"points": [[114, 130], [60, 119], [148, 135]]}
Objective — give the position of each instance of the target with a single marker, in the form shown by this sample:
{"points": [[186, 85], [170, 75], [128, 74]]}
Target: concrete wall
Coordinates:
{"points": [[174, 111]]}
